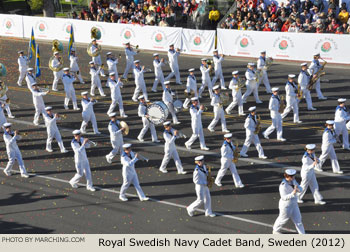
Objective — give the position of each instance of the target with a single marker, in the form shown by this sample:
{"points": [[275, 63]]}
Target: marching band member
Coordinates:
{"points": [[79, 145], [112, 63], [251, 84], [116, 136], [139, 81], [128, 160], [276, 117], [303, 80], [288, 204], [30, 78], [261, 65], [236, 95], [218, 111], [97, 59], [22, 67], [38, 102], [196, 124], [88, 113], [74, 67], [329, 138], [95, 79], [341, 116], [227, 156], [147, 124], [173, 63], [291, 99], [68, 80], [129, 55], [4, 101], [116, 95], [191, 87], [158, 72], [170, 135], [13, 152], [205, 69], [56, 63], [308, 177], [218, 69], [168, 100], [251, 122], [2, 116], [313, 69], [200, 174], [52, 130]]}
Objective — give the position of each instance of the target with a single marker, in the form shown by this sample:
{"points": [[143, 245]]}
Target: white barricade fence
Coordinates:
{"points": [[11, 25], [283, 45], [199, 42]]}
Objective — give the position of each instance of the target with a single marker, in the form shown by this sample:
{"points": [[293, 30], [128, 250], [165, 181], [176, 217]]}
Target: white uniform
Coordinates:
{"points": [[197, 127], [227, 155], [219, 113], [203, 194], [130, 175], [57, 75], [74, 67], [140, 83], [68, 80], [142, 111], [218, 71], [38, 104], [53, 132], [276, 118], [341, 116], [129, 55], [288, 207], [303, 80], [251, 85], [170, 151], [236, 97], [30, 79], [81, 162], [174, 66], [88, 114], [116, 96], [292, 101], [6, 107], [97, 59], [95, 81], [205, 81], [261, 65], [328, 139], [2, 117], [308, 177], [313, 68], [250, 126], [158, 73], [191, 85], [112, 66], [13, 152], [116, 136], [168, 100], [22, 68]]}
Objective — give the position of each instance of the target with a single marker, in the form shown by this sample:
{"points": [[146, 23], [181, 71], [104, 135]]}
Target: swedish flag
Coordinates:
{"points": [[71, 40], [37, 63], [32, 45]]}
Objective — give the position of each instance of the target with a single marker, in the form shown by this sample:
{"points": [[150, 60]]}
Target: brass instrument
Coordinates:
{"points": [[240, 83], [268, 63], [210, 179], [142, 158], [56, 69], [211, 63], [236, 153], [317, 75], [3, 70], [180, 134], [300, 93], [224, 98], [95, 34], [136, 47], [282, 105], [92, 143], [57, 46], [44, 89], [258, 125], [258, 75], [126, 126], [3, 88]]}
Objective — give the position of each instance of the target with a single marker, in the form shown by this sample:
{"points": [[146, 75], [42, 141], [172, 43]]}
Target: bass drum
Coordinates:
{"points": [[158, 112], [178, 106]]}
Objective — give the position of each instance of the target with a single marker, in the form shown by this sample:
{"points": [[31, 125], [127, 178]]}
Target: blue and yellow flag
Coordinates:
{"points": [[32, 45], [71, 40], [37, 63]]}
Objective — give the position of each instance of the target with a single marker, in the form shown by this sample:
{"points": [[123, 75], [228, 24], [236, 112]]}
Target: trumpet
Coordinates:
{"points": [[180, 134], [44, 89], [62, 117], [142, 158], [92, 143]]}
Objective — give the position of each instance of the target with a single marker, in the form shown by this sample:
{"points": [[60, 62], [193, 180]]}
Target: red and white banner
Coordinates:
{"points": [[11, 25], [199, 42]]}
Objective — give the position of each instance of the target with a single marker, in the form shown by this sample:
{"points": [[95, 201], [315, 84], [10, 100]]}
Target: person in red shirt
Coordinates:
{"points": [[285, 26], [266, 27]]}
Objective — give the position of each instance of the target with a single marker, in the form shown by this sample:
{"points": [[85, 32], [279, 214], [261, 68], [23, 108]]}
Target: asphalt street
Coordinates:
{"points": [[46, 203]]}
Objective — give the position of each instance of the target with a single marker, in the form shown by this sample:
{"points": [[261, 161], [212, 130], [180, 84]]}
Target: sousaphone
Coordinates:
{"points": [[95, 34]]}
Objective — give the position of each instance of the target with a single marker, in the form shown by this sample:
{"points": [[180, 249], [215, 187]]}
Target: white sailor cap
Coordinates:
{"points": [[76, 132], [199, 158], [126, 146], [141, 97], [330, 122], [317, 54], [261, 52], [235, 72], [34, 83], [113, 114], [20, 52], [194, 99], [155, 54], [66, 69], [166, 82], [204, 59], [91, 62], [6, 125], [251, 109], [341, 100], [216, 87], [191, 70], [290, 172], [251, 64], [291, 76], [56, 53], [228, 135], [112, 74], [310, 146], [84, 93], [109, 53], [303, 64], [30, 69], [167, 123], [136, 61], [274, 89], [216, 50], [48, 108]]}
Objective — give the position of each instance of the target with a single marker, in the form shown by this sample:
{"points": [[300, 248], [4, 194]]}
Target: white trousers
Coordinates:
{"points": [[158, 78], [329, 151], [276, 125], [50, 136], [174, 71], [167, 156], [117, 148], [203, 196], [266, 82], [94, 84], [307, 96], [252, 138], [22, 75], [318, 89], [340, 129], [116, 100], [70, 94], [289, 212], [308, 179], [39, 109], [251, 89], [83, 168], [14, 155], [218, 75], [292, 105], [140, 87], [228, 164], [56, 77], [86, 119], [218, 115], [148, 125], [206, 82], [127, 181], [172, 112], [197, 133], [237, 101], [128, 66]]}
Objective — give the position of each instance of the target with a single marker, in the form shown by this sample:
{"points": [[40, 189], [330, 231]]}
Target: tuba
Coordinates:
{"points": [[236, 153], [210, 179], [258, 125], [3, 70], [95, 34], [57, 46], [282, 105], [56, 69]]}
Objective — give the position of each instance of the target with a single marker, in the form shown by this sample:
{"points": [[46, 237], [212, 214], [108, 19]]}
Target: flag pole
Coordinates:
{"points": [[36, 50]]}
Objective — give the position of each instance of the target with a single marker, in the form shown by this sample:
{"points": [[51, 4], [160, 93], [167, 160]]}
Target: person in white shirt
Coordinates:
{"points": [[128, 160], [191, 88], [170, 135], [95, 79], [217, 60], [68, 81], [56, 63], [308, 177], [342, 115], [200, 175], [74, 67], [158, 72], [30, 78], [218, 109], [88, 113], [129, 55], [38, 102], [168, 100], [236, 95], [13, 152], [303, 80], [4, 100], [252, 86], [173, 63], [288, 204], [274, 106], [22, 67], [79, 145], [313, 69], [116, 95], [116, 137], [111, 64], [261, 65], [147, 124], [205, 70], [2, 116], [52, 130], [291, 99], [250, 125], [227, 156], [139, 81], [97, 59]]}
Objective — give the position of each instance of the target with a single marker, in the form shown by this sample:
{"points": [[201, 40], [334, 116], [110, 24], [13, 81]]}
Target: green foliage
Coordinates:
{"points": [[36, 4]]}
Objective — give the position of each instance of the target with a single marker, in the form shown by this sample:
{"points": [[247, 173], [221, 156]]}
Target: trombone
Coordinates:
{"points": [[142, 158]]}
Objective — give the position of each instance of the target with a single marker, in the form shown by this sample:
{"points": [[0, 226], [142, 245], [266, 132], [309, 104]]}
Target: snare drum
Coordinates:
{"points": [[177, 106], [158, 112]]}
